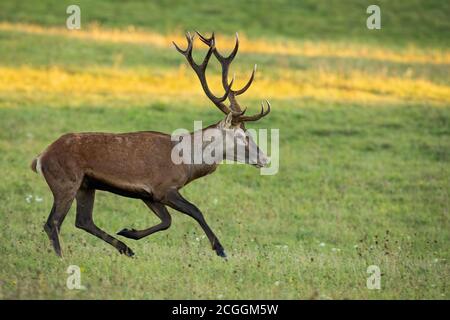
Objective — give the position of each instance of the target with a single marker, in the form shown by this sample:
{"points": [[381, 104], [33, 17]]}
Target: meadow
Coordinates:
{"points": [[364, 119]]}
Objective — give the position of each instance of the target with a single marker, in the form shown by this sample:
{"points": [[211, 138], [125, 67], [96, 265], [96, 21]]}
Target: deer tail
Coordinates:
{"points": [[36, 165]]}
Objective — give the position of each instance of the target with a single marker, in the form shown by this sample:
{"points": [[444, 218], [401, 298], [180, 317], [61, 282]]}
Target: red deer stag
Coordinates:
{"points": [[139, 165]]}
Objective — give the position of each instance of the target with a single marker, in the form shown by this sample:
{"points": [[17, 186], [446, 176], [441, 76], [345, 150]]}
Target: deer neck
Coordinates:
{"points": [[200, 142]]}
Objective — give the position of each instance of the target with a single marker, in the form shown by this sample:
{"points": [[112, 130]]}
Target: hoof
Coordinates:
{"points": [[221, 253], [123, 249]]}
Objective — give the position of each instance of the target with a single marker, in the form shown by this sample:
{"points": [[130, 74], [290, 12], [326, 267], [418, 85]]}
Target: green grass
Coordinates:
{"points": [[377, 179], [358, 185], [403, 21]]}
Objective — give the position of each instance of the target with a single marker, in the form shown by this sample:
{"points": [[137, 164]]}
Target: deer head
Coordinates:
{"points": [[233, 126]]}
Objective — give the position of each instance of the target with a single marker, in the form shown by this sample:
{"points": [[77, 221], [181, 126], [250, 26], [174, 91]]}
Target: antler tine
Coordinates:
{"points": [[258, 116], [249, 83], [183, 52], [235, 50], [188, 51], [208, 41], [231, 56]]}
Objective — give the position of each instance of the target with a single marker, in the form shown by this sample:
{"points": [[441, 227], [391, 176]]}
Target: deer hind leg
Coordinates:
{"points": [[63, 178], [85, 204], [161, 211], [52, 227], [177, 202]]}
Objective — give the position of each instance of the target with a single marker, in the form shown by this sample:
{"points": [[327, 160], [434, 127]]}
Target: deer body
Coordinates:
{"points": [[135, 164], [139, 165]]}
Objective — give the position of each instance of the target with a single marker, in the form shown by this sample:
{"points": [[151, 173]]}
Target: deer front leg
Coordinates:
{"points": [[177, 202], [160, 210]]}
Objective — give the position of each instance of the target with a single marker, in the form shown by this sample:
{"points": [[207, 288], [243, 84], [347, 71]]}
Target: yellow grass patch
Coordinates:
{"points": [[262, 46], [55, 86]]}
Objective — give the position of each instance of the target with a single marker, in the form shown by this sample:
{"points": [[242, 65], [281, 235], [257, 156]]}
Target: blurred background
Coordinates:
{"points": [[364, 146], [319, 50]]}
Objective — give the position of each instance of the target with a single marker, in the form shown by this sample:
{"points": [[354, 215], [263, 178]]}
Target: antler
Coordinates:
{"points": [[200, 71], [225, 62]]}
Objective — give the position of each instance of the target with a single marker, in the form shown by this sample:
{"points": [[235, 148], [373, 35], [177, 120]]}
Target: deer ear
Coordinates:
{"points": [[228, 120]]}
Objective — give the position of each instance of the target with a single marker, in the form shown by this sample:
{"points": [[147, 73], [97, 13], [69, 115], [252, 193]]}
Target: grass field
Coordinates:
{"points": [[364, 119]]}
